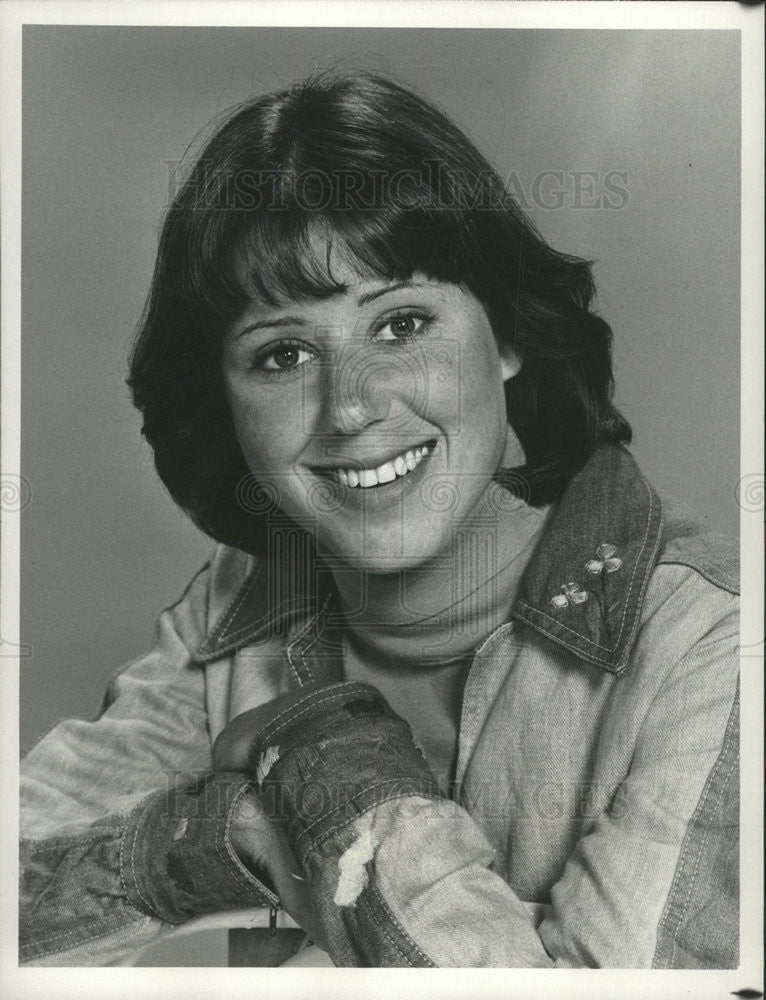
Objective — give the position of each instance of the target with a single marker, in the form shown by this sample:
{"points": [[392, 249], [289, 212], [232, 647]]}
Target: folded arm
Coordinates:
{"points": [[403, 877], [123, 831]]}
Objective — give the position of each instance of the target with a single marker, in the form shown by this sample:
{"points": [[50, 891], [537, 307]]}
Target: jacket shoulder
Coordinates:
{"points": [[688, 539], [209, 595]]}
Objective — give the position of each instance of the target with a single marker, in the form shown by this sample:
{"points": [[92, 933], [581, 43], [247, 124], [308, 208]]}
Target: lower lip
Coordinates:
{"points": [[373, 497]]}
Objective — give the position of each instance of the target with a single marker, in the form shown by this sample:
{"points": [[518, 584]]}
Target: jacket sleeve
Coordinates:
{"points": [[408, 879], [123, 830]]}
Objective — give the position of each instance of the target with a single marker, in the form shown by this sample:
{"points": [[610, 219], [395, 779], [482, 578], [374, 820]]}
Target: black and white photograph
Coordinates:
{"points": [[381, 460]]}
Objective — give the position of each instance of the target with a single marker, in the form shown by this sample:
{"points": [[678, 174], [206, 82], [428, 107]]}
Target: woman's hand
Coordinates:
{"points": [[231, 748], [260, 841], [320, 735]]}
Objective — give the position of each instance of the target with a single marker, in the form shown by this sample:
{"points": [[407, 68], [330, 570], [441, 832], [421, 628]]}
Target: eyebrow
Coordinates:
{"points": [[370, 296], [277, 321], [362, 300]]}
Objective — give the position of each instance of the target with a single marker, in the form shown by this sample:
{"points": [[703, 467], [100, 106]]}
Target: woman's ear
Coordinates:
{"points": [[510, 362]]}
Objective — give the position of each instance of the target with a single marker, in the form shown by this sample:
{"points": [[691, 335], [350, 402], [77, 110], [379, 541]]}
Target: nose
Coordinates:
{"points": [[358, 388]]}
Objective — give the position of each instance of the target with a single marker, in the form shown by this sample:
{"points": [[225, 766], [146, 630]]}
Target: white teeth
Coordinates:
{"points": [[386, 473]]}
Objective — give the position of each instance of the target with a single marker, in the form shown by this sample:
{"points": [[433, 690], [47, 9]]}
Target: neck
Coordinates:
{"points": [[442, 610]]}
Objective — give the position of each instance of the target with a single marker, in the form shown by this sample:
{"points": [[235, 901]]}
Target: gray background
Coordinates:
{"points": [[103, 548]]}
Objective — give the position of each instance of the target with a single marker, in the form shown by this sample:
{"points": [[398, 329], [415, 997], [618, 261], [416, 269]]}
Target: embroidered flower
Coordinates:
{"points": [[571, 593], [606, 562]]}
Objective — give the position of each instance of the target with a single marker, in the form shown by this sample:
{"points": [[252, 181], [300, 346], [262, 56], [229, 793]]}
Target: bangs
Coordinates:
{"points": [[278, 255]]}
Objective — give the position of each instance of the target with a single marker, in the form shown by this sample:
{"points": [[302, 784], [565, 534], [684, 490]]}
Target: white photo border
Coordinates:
{"points": [[20, 984]]}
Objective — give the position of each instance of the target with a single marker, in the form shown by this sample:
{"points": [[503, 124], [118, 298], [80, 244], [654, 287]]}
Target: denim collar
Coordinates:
{"points": [[585, 584], [583, 588]]}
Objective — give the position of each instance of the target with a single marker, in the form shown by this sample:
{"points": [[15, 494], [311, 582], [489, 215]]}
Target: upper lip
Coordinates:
{"points": [[369, 461]]}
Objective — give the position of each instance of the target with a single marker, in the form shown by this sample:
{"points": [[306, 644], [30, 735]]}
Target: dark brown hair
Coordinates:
{"points": [[405, 190]]}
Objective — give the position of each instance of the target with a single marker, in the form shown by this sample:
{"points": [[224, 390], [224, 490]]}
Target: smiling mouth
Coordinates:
{"points": [[396, 468]]}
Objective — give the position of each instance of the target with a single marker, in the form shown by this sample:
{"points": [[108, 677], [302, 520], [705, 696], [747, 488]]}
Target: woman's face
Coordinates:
{"points": [[377, 415]]}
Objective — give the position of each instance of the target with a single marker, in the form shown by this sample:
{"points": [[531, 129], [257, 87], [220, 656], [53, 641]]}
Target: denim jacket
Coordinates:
{"points": [[597, 771]]}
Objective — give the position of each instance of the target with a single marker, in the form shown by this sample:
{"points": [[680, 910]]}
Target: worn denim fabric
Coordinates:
{"points": [[597, 772], [301, 752]]}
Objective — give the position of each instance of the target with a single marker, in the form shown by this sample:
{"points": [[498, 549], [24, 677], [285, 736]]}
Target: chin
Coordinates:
{"points": [[377, 559]]}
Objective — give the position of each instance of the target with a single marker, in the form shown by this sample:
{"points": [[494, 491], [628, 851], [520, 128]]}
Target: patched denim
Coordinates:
{"points": [[593, 820]]}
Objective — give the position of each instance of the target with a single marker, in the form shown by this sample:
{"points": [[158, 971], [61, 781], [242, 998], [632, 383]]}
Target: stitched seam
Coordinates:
{"points": [[322, 624], [70, 936], [221, 851], [679, 869], [237, 602], [493, 635], [253, 627], [700, 849], [296, 711], [204, 655], [291, 646], [378, 800], [86, 837], [564, 642], [220, 847], [171, 607], [384, 930], [375, 890], [142, 819], [302, 653], [651, 562], [249, 879], [67, 941], [635, 568], [728, 743], [301, 707], [269, 617], [320, 631], [608, 649], [294, 669], [362, 791], [717, 581], [122, 869], [239, 599]]}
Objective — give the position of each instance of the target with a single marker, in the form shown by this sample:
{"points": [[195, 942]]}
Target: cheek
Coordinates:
{"points": [[269, 431], [465, 385]]}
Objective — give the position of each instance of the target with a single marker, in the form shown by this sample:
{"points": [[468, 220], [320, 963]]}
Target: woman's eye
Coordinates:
{"points": [[400, 327], [283, 358]]}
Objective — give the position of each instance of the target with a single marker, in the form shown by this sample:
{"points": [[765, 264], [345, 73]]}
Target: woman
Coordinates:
{"points": [[456, 687]]}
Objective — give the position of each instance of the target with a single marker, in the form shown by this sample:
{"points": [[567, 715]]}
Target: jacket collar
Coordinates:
{"points": [[583, 589], [585, 584]]}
